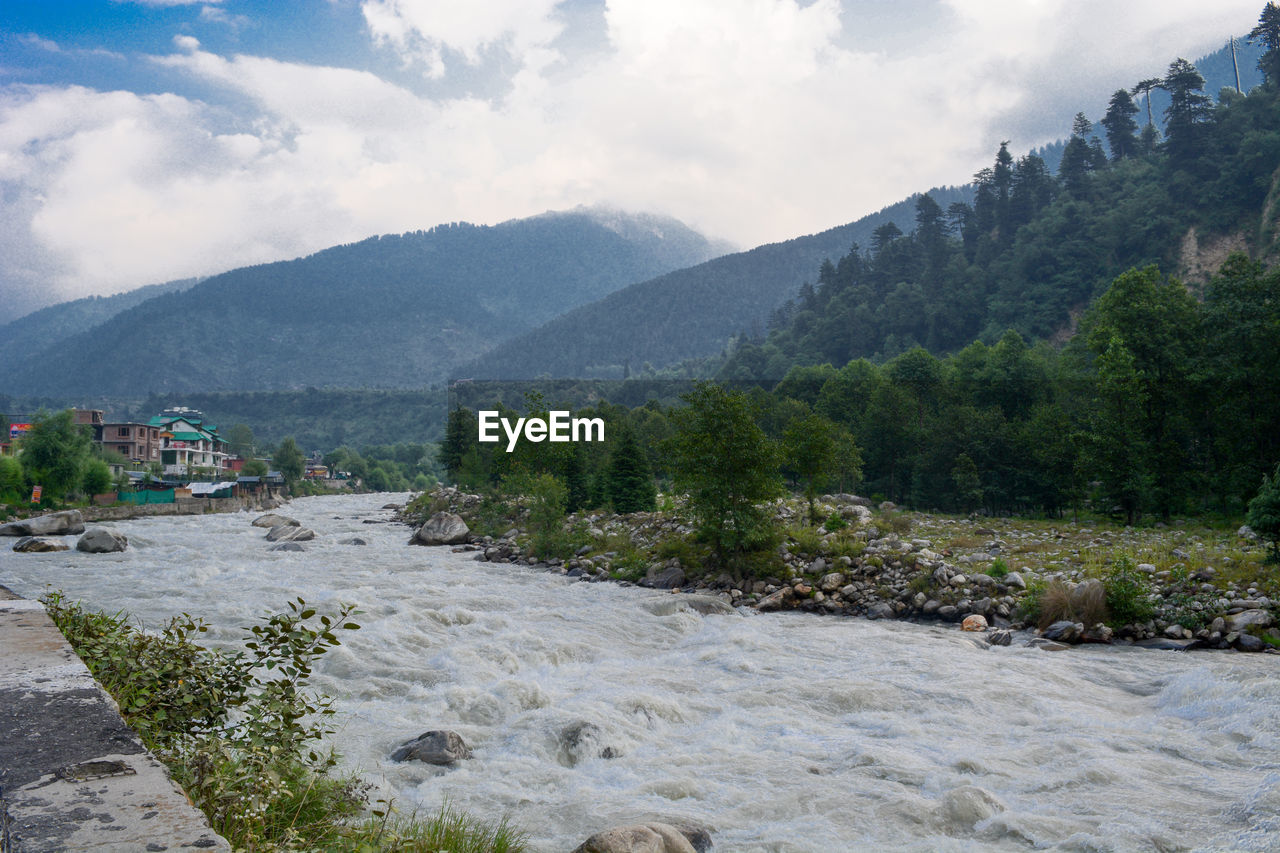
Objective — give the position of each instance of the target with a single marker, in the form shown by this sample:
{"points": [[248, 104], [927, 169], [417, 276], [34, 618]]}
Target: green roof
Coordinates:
{"points": [[190, 436]]}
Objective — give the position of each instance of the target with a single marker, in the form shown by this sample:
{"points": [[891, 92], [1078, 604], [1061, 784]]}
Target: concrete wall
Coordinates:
{"points": [[73, 775]]}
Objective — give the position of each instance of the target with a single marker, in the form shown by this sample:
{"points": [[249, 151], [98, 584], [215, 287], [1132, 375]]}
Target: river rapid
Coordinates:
{"points": [[778, 732]]}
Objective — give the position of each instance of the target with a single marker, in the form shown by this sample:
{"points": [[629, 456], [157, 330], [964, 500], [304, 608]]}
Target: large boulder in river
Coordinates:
{"points": [[288, 533], [38, 545], [272, 520], [443, 528], [66, 523], [442, 747], [99, 540], [648, 838]]}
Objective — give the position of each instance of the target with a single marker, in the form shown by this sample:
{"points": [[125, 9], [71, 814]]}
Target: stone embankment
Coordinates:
{"points": [[864, 568], [73, 776]]}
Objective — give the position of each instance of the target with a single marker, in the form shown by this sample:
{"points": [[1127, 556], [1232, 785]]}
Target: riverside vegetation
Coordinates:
{"points": [[1187, 585], [244, 736]]}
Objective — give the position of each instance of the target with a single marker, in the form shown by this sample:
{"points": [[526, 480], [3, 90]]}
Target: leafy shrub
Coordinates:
{"points": [[835, 523], [998, 568], [630, 564], [807, 539], [240, 732], [1127, 593], [1031, 603]]}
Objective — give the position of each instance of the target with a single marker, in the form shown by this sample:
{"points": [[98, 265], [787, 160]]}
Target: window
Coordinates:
{"points": [[122, 431]]}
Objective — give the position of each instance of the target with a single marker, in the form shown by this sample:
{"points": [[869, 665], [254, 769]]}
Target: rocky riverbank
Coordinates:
{"points": [[1177, 587]]}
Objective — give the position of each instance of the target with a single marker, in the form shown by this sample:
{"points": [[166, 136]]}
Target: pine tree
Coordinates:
{"points": [[1268, 33], [460, 433], [1122, 130], [1189, 109], [630, 483]]}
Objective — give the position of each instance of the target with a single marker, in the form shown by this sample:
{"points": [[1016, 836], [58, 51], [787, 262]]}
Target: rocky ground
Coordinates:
{"points": [[1179, 586]]}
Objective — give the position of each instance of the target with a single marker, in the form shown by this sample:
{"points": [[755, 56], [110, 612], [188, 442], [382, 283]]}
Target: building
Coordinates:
{"points": [[189, 443], [137, 442]]}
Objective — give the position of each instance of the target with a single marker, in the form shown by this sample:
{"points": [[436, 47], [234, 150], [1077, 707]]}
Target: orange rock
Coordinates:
{"points": [[974, 622]]}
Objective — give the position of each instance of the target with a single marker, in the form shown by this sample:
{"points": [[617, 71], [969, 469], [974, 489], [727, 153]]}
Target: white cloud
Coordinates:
{"points": [[753, 120], [421, 29]]}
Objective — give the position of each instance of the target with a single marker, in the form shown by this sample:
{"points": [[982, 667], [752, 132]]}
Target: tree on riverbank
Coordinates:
{"points": [[1264, 513], [55, 452], [728, 466]]}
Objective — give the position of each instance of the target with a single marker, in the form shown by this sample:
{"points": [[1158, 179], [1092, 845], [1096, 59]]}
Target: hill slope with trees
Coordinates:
{"points": [[689, 313], [393, 311]]}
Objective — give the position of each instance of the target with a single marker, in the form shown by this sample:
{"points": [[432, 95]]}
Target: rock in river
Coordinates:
{"points": [[648, 838], [273, 520], [99, 540], [38, 545], [443, 528], [288, 533], [438, 746], [66, 523]]}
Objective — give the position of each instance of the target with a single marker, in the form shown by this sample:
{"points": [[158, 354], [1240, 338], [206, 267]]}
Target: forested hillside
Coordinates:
{"points": [[392, 311], [40, 329], [689, 313], [1034, 249]]}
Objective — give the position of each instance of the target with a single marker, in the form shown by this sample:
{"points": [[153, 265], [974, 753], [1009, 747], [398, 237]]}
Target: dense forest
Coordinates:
{"points": [[1035, 249]]}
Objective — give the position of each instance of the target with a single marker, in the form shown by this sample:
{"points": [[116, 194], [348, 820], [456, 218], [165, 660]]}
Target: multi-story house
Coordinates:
{"points": [[189, 443], [136, 442]]}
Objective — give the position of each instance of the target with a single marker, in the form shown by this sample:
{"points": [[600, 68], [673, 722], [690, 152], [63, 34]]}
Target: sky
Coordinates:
{"points": [[144, 141]]}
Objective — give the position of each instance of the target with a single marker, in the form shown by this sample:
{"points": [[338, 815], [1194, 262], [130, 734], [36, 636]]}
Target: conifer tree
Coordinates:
{"points": [[630, 482], [1268, 33], [1122, 130]]}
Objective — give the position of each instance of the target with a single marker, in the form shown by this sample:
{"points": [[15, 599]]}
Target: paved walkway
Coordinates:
{"points": [[73, 776]]}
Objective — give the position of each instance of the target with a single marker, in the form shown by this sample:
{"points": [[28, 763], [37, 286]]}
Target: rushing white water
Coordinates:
{"points": [[778, 732]]}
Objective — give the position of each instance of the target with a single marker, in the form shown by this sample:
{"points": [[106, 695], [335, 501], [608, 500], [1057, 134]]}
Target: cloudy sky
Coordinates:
{"points": [[151, 140]]}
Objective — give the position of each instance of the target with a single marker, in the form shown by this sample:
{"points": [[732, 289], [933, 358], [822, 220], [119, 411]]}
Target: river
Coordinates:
{"points": [[779, 732]]}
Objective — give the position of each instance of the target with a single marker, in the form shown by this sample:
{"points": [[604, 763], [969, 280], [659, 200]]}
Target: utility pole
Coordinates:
{"points": [[1235, 65]]}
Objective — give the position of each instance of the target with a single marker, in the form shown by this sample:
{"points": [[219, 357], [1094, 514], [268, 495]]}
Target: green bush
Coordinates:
{"points": [[241, 733], [1127, 593], [998, 568], [835, 523]]}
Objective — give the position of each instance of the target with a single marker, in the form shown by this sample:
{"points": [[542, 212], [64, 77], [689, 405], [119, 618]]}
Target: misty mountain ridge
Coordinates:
{"points": [[389, 311]]}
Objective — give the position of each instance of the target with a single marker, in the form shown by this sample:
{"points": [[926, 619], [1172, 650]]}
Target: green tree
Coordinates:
{"points": [[809, 450], [728, 466], [1267, 32], [547, 502], [96, 478], [968, 483], [461, 433], [629, 480], [1122, 130], [1080, 157], [289, 461], [1118, 448], [54, 453], [1264, 513], [13, 482], [1188, 111], [240, 441], [254, 468]]}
